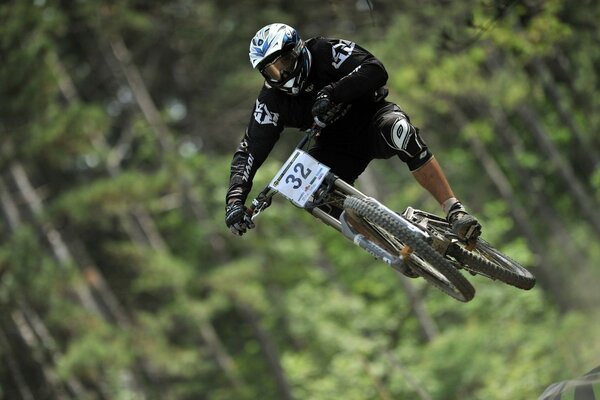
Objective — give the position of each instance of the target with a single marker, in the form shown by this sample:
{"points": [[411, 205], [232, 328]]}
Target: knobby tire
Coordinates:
{"points": [[454, 284], [485, 260], [489, 262]]}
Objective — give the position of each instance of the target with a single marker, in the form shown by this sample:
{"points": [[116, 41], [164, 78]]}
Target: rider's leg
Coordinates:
{"points": [[345, 164], [432, 178], [397, 135]]}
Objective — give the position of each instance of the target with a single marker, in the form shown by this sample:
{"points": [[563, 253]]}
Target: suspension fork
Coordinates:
{"points": [[333, 183]]}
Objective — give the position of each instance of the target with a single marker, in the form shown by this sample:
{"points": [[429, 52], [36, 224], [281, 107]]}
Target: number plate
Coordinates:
{"points": [[299, 177]]}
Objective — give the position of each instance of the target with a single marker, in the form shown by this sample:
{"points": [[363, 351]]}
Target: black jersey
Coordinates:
{"points": [[355, 75]]}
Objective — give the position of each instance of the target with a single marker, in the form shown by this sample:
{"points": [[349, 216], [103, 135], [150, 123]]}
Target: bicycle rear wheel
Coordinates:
{"points": [[485, 260], [423, 260]]}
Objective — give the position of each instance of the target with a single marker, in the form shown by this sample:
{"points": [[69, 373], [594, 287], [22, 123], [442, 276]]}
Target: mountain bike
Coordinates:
{"points": [[415, 243]]}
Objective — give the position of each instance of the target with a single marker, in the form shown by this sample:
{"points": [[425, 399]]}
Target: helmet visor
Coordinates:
{"points": [[282, 68]]}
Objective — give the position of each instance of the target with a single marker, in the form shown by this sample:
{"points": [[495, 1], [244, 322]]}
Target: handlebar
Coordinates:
{"points": [[311, 133]]}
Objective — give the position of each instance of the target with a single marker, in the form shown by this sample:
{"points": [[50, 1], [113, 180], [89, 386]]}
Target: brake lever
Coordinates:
{"points": [[259, 204]]}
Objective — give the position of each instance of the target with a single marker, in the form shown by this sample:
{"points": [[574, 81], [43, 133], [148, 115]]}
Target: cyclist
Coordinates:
{"points": [[339, 86]]}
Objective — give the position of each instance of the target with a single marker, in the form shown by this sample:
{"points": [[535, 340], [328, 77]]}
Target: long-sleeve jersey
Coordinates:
{"points": [[355, 75]]}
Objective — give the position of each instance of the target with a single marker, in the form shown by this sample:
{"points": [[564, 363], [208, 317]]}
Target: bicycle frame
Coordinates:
{"points": [[332, 191], [402, 240]]}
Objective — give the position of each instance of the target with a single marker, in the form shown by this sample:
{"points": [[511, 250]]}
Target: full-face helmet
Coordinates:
{"points": [[281, 57]]}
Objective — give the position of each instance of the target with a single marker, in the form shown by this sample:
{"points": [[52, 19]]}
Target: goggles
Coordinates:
{"points": [[282, 68]]}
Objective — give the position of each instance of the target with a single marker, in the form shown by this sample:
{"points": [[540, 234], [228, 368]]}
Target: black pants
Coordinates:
{"points": [[388, 133]]}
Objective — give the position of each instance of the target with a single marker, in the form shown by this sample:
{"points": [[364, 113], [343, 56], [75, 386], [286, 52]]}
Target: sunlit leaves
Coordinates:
{"points": [[65, 136], [102, 352], [115, 196]]}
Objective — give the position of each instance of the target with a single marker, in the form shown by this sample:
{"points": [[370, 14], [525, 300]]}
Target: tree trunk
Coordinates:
{"points": [[573, 185], [47, 342], [152, 115], [269, 349], [547, 275], [9, 208], [139, 224], [12, 362], [65, 257], [578, 192], [536, 197], [591, 158], [141, 93], [412, 381], [427, 324], [36, 350]]}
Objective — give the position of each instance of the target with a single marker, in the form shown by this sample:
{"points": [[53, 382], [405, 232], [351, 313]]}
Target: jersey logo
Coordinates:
{"points": [[263, 116], [341, 52]]}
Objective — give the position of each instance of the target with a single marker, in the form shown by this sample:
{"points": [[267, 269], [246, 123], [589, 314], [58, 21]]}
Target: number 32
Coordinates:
{"points": [[304, 172]]}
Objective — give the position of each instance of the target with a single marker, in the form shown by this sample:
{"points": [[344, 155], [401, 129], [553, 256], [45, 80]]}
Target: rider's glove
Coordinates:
{"points": [[324, 110], [237, 218]]}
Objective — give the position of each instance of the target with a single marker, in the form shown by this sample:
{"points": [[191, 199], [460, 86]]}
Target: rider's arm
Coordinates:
{"points": [[362, 81], [356, 73], [261, 135], [249, 156]]}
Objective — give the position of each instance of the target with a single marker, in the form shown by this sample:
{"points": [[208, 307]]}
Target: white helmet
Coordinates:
{"points": [[281, 57]]}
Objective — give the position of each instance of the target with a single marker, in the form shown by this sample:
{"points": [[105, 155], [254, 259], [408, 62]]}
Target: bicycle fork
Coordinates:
{"points": [[375, 250]]}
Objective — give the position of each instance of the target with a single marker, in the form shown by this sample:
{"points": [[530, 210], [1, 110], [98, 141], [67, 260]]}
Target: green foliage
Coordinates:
{"points": [[24, 76], [151, 293], [65, 136], [115, 196], [26, 270], [101, 348]]}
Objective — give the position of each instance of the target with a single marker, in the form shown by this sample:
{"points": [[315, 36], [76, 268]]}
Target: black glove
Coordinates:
{"points": [[237, 218], [324, 110]]}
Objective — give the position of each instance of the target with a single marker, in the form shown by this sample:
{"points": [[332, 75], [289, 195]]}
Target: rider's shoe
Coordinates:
{"points": [[464, 225]]}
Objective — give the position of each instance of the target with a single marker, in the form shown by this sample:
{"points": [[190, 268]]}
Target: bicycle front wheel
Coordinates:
{"points": [[423, 260]]}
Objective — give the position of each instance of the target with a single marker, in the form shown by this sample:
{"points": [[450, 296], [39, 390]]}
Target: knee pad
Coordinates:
{"points": [[405, 140]]}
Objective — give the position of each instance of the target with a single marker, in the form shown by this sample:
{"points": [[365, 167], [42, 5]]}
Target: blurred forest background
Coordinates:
{"points": [[119, 279]]}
